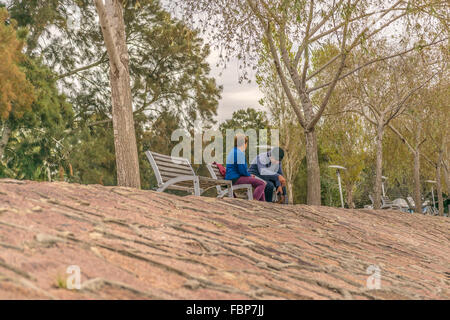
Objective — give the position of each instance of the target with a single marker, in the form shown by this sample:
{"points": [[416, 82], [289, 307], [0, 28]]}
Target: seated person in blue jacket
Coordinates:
{"points": [[267, 166], [237, 168]]}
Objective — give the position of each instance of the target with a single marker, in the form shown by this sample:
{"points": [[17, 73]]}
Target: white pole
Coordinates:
{"points": [[49, 175], [432, 195], [382, 188], [340, 188]]}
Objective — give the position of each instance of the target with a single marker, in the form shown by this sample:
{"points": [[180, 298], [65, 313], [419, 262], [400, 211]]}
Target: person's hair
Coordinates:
{"points": [[240, 140], [277, 153]]}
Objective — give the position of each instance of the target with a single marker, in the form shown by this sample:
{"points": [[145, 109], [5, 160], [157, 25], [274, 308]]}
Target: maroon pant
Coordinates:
{"points": [[257, 184]]}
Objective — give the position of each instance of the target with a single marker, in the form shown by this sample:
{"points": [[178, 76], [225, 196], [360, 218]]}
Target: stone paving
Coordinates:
{"points": [[136, 244]]}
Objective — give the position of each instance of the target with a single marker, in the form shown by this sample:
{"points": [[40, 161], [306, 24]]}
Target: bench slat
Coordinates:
{"points": [[164, 163], [179, 170], [174, 160], [167, 175]]}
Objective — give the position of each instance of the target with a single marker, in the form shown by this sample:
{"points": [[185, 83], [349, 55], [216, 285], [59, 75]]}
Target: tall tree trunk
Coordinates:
{"points": [[417, 195], [349, 194], [6, 133], [113, 30], [379, 167], [447, 180], [313, 169], [439, 183], [290, 192]]}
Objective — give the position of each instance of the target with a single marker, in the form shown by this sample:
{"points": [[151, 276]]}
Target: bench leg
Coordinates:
{"points": [[250, 193], [222, 194], [230, 192], [197, 190]]}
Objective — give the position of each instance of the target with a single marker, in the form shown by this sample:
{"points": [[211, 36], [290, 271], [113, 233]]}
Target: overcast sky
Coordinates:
{"points": [[235, 95]]}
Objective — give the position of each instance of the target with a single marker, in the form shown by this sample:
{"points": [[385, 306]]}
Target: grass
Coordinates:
{"points": [[61, 282]]}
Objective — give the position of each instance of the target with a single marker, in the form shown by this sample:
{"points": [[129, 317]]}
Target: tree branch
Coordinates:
{"points": [[335, 80], [401, 137], [401, 105], [284, 82], [305, 39], [374, 61], [92, 65]]}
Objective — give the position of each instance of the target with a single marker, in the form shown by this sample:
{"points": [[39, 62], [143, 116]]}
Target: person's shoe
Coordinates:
{"points": [[280, 199]]}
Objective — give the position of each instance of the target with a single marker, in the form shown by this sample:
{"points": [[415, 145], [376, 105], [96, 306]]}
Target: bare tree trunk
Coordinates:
{"points": [[5, 138], [290, 193], [289, 180], [439, 184], [417, 195], [379, 167], [113, 30], [313, 169], [447, 180], [349, 194]]}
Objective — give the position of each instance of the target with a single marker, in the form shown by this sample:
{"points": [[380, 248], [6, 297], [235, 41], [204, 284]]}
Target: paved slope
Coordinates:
{"points": [[141, 244]]}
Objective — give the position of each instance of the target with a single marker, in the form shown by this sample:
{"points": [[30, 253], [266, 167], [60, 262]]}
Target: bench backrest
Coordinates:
{"points": [[410, 201], [168, 167], [214, 171], [386, 200]]}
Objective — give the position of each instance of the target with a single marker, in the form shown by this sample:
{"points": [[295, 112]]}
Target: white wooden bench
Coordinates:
{"points": [[386, 203], [176, 173], [215, 174]]}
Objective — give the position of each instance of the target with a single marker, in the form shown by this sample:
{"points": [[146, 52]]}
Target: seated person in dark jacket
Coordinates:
{"points": [[267, 166]]}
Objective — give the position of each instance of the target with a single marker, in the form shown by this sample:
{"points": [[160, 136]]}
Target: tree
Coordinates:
{"points": [[246, 119], [36, 148], [438, 131], [16, 92], [283, 119], [168, 67], [292, 30], [113, 30], [346, 142], [171, 76], [383, 93], [413, 137], [168, 72]]}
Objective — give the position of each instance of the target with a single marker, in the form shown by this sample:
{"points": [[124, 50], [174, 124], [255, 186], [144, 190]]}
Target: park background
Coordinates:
{"points": [[56, 111]]}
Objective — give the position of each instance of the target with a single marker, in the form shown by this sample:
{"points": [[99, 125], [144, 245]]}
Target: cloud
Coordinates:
{"points": [[235, 95]]}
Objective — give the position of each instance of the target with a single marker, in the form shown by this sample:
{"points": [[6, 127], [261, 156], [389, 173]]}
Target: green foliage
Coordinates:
{"points": [[346, 142], [16, 92], [169, 76], [246, 119], [93, 159], [168, 65], [328, 181], [36, 145]]}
